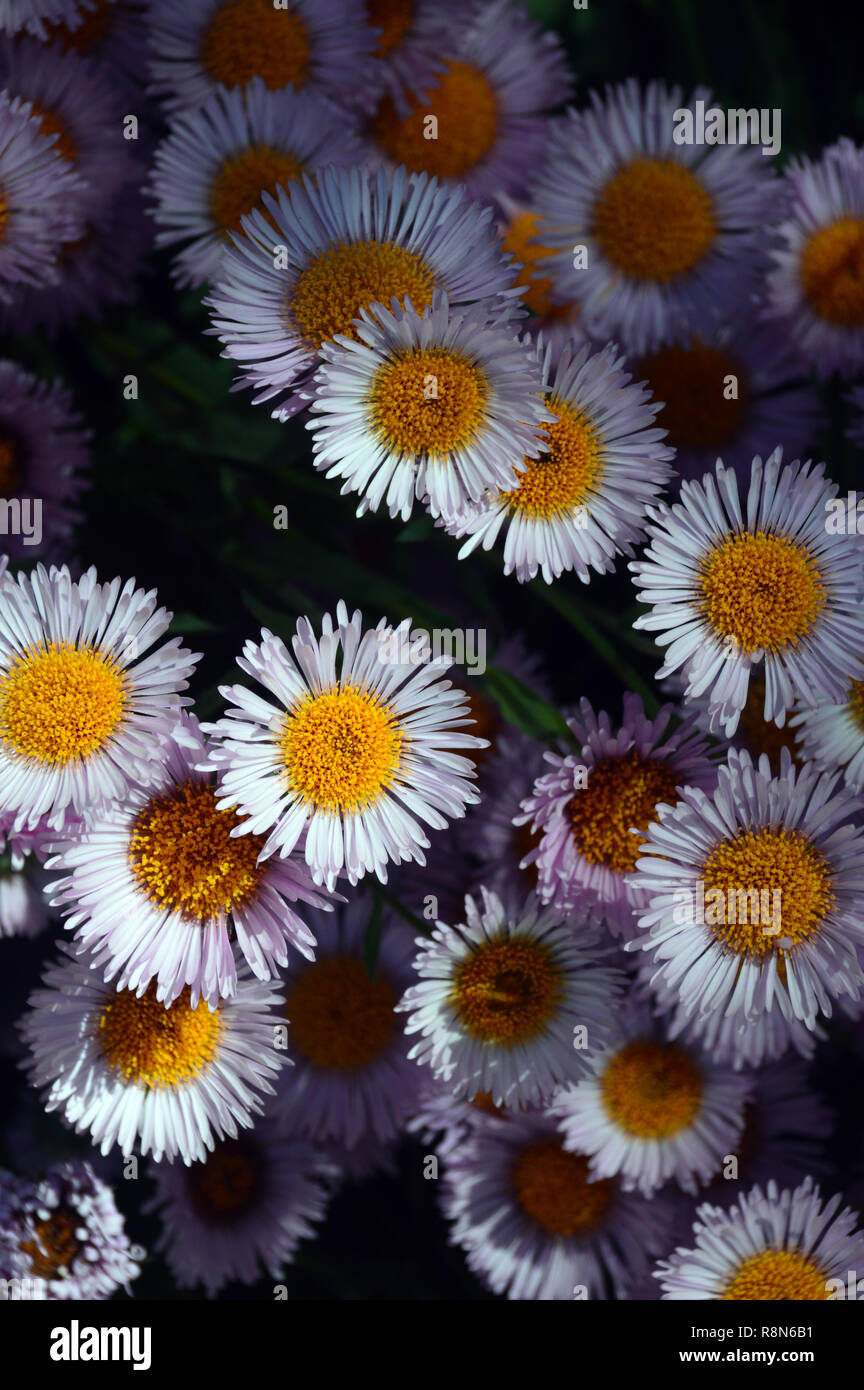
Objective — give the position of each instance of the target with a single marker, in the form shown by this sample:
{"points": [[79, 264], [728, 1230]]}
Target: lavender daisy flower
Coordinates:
{"points": [[409, 37], [761, 586], [594, 809], [583, 499], [444, 1121], [832, 736], [521, 233], [132, 1072], [159, 888], [64, 1236], [242, 1212], [755, 733], [500, 846], [80, 715], [34, 16], [435, 406], [218, 160], [44, 456], [364, 744], [111, 32], [348, 239], [650, 235], [769, 1246], [39, 199]]}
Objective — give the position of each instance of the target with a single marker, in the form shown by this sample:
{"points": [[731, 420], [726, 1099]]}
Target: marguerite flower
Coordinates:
{"points": [[81, 714], [434, 407], [581, 499], [134, 1073], [510, 1003], [39, 199], [832, 735], [363, 745], [739, 587], [33, 16]]}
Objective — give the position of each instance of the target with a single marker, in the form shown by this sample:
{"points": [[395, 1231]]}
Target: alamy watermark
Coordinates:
{"points": [[736, 126], [466, 646], [698, 906], [22, 516]]}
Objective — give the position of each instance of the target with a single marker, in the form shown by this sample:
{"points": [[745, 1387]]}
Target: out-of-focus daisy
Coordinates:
{"points": [[653, 1110], [499, 73], [342, 242], [437, 888], [112, 32], [310, 45], [591, 813], [444, 1121], [582, 500], [364, 744], [498, 845], [351, 1074], [754, 733], [217, 162], [816, 287], [33, 16], [434, 407], [769, 1246], [409, 35], [81, 713], [756, 893], [509, 1002], [132, 1072], [521, 232], [23, 906], [39, 199], [739, 586], [833, 735], [650, 236], [65, 1235], [533, 1223], [726, 395], [243, 1210], [159, 888], [44, 456]]}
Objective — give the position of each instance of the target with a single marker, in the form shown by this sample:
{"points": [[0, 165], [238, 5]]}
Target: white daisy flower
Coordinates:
{"points": [[741, 586], [832, 736]]}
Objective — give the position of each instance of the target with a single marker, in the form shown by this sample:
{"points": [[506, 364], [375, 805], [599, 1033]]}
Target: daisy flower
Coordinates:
{"points": [[497, 843], [409, 35], [44, 456], [217, 162], [755, 733], [346, 240], [130, 1071], [534, 1225], [351, 1075], [80, 714], [113, 33], [159, 888], [755, 893], [434, 407], [649, 235], [23, 906], [653, 1111], [509, 1002], [758, 586], [310, 45], [815, 289], [832, 736], [34, 16], [591, 813], [498, 73], [444, 1121], [768, 1246], [582, 499], [437, 888], [65, 1235], [240, 1213], [39, 199], [361, 747]]}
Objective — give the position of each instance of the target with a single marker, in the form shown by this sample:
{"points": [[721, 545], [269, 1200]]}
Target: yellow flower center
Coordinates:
{"points": [[856, 703], [428, 401], [654, 220], [536, 289], [744, 873], [507, 991], [466, 111], [337, 284], [61, 702], [340, 1018], [553, 1190], [184, 857], [224, 1188], [10, 460], [341, 749], [622, 795], [394, 18], [154, 1046], [243, 180], [94, 23], [252, 38], [691, 382], [832, 272], [55, 1246], [557, 481], [651, 1090], [49, 124], [777, 1276], [762, 591]]}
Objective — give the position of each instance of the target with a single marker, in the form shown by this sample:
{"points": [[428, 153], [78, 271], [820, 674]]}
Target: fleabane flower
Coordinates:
{"points": [[82, 708], [832, 736], [40, 205], [745, 585], [433, 407], [510, 1002], [581, 498], [364, 743], [34, 16], [159, 888]]}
